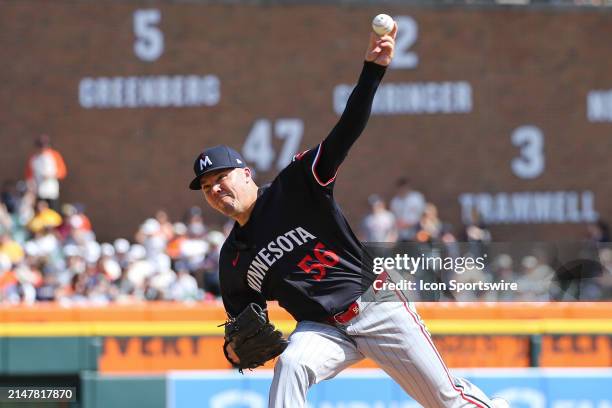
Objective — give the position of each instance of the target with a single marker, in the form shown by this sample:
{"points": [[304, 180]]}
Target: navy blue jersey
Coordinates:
{"points": [[297, 247]]}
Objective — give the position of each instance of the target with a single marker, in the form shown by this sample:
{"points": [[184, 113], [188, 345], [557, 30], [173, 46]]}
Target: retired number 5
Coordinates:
{"points": [[325, 257]]}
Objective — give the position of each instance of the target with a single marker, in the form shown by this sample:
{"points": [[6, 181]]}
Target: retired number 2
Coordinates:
{"points": [[325, 258]]}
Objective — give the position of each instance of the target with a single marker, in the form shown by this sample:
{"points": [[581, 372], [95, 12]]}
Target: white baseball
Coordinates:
{"points": [[382, 24]]}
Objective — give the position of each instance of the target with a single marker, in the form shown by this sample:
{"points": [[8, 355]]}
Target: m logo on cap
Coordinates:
{"points": [[205, 162], [212, 159]]}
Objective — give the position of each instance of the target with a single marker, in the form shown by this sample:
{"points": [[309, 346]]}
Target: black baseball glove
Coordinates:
{"points": [[253, 338]]}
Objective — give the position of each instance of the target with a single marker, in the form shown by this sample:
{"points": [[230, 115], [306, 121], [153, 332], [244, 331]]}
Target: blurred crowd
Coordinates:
{"points": [[580, 269], [49, 250], [46, 255]]}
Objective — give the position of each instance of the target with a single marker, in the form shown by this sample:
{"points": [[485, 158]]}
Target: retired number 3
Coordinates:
{"points": [[325, 258]]}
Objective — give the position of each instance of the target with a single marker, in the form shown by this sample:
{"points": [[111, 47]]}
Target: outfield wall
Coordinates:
{"points": [[152, 355], [156, 337]]}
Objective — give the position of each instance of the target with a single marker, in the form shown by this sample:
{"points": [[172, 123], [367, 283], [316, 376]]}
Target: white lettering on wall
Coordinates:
{"points": [[149, 91], [533, 207], [599, 106], [413, 98]]}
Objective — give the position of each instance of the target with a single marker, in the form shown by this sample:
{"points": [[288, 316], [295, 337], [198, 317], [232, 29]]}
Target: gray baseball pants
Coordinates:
{"points": [[390, 333]]}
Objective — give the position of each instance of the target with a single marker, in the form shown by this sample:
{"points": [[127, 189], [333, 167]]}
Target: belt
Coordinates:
{"points": [[346, 316], [353, 310]]}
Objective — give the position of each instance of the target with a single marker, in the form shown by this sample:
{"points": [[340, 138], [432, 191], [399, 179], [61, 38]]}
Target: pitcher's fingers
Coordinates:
{"points": [[386, 44], [373, 39], [393, 32]]}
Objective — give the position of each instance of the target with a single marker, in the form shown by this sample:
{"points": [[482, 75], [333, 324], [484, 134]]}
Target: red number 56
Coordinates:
{"points": [[325, 257]]}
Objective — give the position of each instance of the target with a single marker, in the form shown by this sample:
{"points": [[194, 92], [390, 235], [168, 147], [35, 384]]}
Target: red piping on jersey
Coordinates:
{"points": [[314, 163], [299, 155], [417, 321]]}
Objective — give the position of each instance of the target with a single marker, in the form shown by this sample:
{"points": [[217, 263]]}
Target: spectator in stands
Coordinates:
{"points": [[78, 220], [153, 239], [165, 225], [503, 269], [27, 203], [195, 222], [63, 230], [48, 247], [9, 196], [175, 249], [139, 268], [429, 227], [185, 286], [475, 230], [125, 287], [122, 248], [407, 205], [163, 277], [379, 225], [78, 289], [8, 280], [473, 274], [210, 267], [605, 258], [534, 282], [29, 272], [107, 263], [476, 234], [74, 264], [599, 231], [195, 248], [450, 248], [44, 217], [10, 248], [45, 169], [6, 221], [579, 272], [151, 292]]}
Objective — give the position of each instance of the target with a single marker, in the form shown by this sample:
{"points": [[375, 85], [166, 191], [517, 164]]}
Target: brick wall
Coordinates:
{"points": [[524, 67]]}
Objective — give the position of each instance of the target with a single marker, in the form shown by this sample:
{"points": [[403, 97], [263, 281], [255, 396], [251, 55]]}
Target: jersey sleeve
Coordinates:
{"points": [[236, 294], [332, 151], [239, 301]]}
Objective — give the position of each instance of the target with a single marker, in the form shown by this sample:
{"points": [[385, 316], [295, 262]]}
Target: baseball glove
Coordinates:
{"points": [[253, 338]]}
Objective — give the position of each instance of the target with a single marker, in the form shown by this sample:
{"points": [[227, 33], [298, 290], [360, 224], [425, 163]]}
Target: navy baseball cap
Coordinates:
{"points": [[215, 158]]}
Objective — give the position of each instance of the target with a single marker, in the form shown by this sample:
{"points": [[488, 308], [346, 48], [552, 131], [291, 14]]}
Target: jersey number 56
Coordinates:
{"points": [[325, 258]]}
